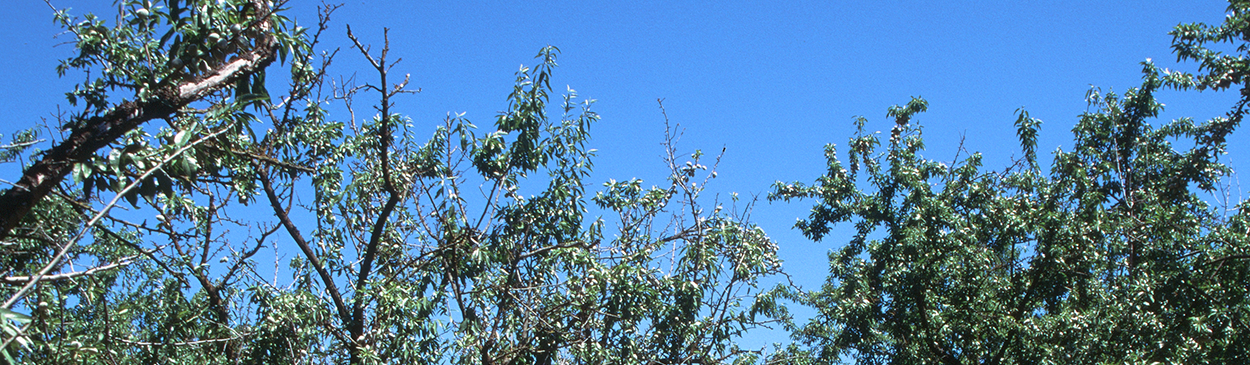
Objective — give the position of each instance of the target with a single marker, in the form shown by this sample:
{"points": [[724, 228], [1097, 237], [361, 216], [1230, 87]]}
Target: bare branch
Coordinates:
{"points": [[309, 254], [18, 280], [103, 211]]}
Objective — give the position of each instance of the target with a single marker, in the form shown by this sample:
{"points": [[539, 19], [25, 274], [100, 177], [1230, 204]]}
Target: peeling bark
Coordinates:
{"points": [[99, 131]]}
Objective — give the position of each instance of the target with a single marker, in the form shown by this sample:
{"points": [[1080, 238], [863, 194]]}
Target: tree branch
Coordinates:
{"points": [[99, 131], [311, 255], [64, 249], [21, 280], [356, 326]]}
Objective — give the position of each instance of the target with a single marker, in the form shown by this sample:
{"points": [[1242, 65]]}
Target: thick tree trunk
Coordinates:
{"points": [[99, 131]]}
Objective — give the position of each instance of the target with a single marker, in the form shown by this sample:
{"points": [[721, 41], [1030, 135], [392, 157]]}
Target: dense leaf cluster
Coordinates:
{"points": [[388, 248], [1112, 255], [244, 226]]}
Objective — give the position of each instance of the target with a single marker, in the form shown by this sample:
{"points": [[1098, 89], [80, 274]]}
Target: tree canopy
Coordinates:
{"points": [[1112, 255], [189, 214]]}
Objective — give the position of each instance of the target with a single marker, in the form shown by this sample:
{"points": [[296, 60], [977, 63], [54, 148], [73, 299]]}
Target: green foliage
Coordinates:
{"points": [[384, 249], [21, 141], [155, 44], [473, 247], [12, 325], [1111, 256]]}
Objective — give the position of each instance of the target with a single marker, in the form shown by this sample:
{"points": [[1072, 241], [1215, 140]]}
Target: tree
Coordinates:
{"points": [[158, 63], [194, 58], [1113, 255], [398, 250], [481, 246]]}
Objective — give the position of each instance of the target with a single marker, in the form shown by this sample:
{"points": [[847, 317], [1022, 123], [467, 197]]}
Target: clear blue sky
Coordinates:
{"points": [[770, 81]]}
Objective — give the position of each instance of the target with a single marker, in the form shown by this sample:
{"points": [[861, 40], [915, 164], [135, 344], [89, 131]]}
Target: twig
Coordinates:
{"points": [[69, 275], [103, 211]]}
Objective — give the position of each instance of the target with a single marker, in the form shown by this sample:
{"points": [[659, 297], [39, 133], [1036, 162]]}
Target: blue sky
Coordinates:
{"points": [[771, 82]]}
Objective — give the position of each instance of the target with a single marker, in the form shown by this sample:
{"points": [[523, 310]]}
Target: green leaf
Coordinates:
{"points": [[9, 315], [82, 172], [182, 138], [132, 197], [251, 98]]}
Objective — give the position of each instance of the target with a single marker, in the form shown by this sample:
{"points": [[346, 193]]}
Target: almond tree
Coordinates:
{"points": [[468, 247], [1113, 255]]}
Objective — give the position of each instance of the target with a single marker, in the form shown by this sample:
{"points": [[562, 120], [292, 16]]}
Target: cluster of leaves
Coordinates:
{"points": [[20, 142], [397, 260], [508, 278], [131, 299], [155, 44], [1113, 255], [474, 247]]}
